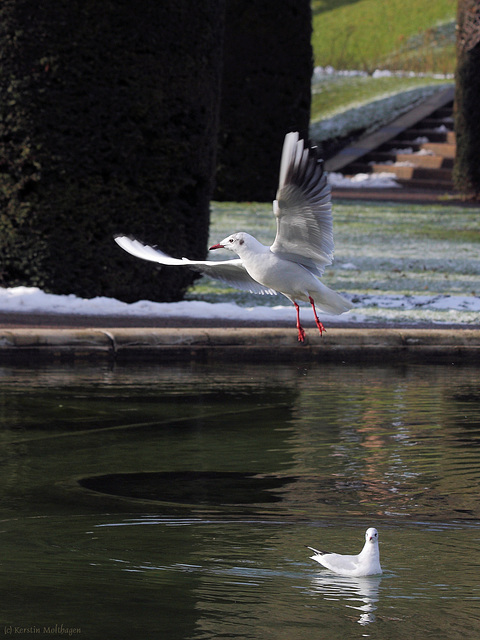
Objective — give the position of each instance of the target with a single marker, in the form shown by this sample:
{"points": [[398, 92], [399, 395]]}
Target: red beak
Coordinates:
{"points": [[216, 246]]}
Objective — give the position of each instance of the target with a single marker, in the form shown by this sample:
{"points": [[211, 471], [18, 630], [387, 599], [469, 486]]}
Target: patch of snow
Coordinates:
{"points": [[424, 152], [409, 151], [320, 72], [29, 300], [368, 307], [406, 151], [421, 140], [381, 180]]}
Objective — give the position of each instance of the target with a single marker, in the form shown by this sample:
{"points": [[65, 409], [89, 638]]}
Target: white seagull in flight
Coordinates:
{"points": [[302, 248], [366, 563]]}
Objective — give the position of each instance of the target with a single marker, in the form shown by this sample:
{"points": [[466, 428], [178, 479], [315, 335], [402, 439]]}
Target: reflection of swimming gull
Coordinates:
{"points": [[361, 594], [366, 563]]}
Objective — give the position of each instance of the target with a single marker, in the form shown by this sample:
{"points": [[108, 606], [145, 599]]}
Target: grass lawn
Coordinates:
{"points": [[372, 34], [388, 256], [335, 93], [366, 36]]}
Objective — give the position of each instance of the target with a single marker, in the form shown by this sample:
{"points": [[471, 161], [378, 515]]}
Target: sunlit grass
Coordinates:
{"points": [[334, 94], [399, 34]]}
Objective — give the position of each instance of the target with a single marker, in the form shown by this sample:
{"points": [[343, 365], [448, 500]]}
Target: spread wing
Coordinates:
{"points": [[231, 272], [303, 208]]}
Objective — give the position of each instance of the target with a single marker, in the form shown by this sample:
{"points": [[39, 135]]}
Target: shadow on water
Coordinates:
{"points": [[176, 501], [190, 487]]}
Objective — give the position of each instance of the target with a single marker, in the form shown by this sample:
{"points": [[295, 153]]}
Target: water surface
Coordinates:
{"points": [[176, 501]]}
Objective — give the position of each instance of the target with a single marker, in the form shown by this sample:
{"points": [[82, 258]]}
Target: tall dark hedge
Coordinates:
{"points": [[108, 123], [267, 73], [467, 99]]}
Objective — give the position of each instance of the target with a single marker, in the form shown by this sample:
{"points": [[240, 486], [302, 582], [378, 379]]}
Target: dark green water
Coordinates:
{"points": [[176, 501]]}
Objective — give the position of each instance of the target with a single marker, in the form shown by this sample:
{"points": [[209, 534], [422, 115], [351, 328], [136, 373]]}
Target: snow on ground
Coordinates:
{"points": [[380, 180], [320, 72], [369, 308]]}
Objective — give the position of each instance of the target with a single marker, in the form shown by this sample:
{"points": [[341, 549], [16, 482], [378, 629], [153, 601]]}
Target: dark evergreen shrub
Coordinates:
{"points": [[265, 93], [108, 123], [466, 171]]}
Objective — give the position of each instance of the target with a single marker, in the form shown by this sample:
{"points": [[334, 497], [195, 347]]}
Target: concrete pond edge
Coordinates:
{"points": [[240, 344]]}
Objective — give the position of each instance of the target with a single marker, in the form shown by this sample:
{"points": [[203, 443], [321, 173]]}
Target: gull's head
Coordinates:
{"points": [[371, 535], [236, 242]]}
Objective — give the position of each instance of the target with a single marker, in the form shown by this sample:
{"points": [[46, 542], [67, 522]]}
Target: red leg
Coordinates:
{"points": [[320, 326], [301, 332]]}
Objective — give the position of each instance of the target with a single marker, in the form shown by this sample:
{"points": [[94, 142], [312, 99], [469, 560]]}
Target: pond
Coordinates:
{"points": [[177, 501]]}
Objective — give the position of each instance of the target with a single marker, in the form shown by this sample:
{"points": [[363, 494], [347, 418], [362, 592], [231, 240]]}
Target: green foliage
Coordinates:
{"points": [[108, 124], [398, 34], [265, 93]]}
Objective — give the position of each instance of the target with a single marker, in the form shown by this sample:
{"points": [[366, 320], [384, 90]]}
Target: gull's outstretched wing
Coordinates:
{"points": [[231, 272], [303, 208]]}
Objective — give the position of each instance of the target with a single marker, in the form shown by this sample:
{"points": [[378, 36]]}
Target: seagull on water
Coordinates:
{"points": [[302, 248], [367, 563]]}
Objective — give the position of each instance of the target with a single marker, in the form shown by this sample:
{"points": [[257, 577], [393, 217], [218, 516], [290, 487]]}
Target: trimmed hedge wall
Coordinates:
{"points": [[108, 123], [267, 72], [466, 171]]}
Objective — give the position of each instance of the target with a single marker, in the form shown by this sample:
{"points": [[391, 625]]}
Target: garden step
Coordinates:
{"points": [[444, 112], [444, 149], [390, 158], [433, 135], [407, 172], [419, 151], [427, 185], [435, 123], [427, 161], [400, 144]]}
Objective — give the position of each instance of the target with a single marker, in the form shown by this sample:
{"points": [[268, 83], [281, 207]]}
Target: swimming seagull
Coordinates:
{"points": [[302, 248], [367, 563]]}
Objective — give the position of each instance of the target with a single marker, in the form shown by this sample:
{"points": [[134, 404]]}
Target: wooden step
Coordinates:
{"points": [[427, 185], [408, 172], [420, 157], [401, 144], [432, 135], [444, 149], [445, 112], [435, 123], [390, 157], [426, 161]]}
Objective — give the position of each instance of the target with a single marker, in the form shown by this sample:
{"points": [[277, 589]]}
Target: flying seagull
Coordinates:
{"points": [[367, 563], [302, 248]]}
